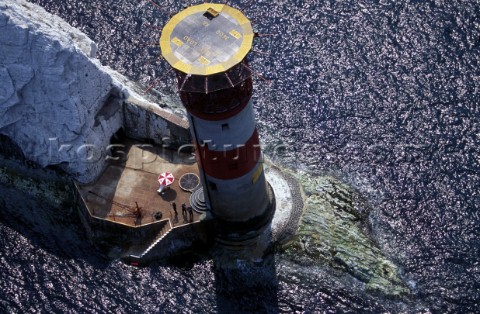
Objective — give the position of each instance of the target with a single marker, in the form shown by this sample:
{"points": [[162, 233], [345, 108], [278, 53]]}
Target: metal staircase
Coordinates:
{"points": [[138, 252]]}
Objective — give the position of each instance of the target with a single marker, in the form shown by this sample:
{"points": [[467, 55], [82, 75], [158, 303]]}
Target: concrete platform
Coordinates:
{"points": [[289, 201], [126, 192]]}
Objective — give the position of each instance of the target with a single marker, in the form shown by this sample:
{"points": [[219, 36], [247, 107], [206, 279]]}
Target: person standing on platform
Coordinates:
{"points": [[174, 208], [190, 212], [184, 211]]}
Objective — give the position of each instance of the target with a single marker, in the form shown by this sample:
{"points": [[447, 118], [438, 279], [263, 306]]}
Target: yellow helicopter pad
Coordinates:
{"points": [[206, 39]]}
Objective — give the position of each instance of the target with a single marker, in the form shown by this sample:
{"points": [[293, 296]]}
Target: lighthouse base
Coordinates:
{"points": [[239, 233], [276, 230]]}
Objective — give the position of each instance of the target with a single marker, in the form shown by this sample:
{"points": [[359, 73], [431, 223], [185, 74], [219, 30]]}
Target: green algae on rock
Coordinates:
{"points": [[333, 232], [46, 185]]}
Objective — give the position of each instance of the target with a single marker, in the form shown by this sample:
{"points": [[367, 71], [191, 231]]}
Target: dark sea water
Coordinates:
{"points": [[383, 94]]}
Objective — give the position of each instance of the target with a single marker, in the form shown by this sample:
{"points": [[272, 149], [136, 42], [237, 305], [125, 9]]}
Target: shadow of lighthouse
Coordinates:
{"points": [[247, 290], [246, 278]]}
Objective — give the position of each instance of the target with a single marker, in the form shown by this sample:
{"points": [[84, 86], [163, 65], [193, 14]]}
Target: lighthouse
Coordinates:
{"points": [[207, 46]]}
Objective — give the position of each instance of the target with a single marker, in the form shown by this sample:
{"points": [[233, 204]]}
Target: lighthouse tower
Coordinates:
{"points": [[207, 45]]}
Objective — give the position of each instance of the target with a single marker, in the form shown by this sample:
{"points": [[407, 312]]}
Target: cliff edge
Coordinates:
{"points": [[59, 104]]}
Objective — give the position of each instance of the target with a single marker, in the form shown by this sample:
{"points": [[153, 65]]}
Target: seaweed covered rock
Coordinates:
{"points": [[333, 232]]}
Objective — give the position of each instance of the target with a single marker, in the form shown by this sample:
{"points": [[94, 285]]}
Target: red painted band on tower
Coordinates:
{"points": [[218, 105], [219, 116], [230, 164]]}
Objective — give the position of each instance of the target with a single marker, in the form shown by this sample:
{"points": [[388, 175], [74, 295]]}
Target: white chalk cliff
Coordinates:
{"points": [[57, 102]]}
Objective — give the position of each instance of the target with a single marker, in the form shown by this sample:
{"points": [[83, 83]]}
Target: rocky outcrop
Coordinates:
{"points": [[57, 102], [334, 232]]}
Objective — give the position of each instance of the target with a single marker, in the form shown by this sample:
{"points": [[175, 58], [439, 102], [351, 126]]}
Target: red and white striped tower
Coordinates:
{"points": [[207, 44]]}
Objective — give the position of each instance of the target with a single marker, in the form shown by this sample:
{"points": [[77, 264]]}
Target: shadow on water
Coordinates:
{"points": [[39, 204], [245, 276], [60, 234], [247, 287]]}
